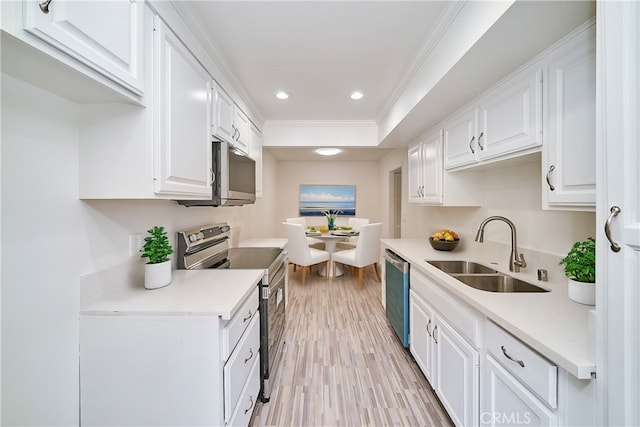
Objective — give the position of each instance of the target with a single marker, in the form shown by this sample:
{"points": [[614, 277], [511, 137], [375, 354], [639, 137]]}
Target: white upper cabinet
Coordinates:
{"points": [[242, 128], [228, 122], [460, 138], [430, 184], [568, 156], [510, 117], [504, 122], [182, 101], [222, 115], [107, 36]]}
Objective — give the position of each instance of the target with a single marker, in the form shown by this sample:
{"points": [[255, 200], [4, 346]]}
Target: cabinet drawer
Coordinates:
{"points": [[462, 317], [233, 329], [239, 365], [248, 398], [536, 372]]}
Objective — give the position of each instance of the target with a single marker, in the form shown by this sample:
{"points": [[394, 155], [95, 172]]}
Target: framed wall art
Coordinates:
{"points": [[316, 199]]}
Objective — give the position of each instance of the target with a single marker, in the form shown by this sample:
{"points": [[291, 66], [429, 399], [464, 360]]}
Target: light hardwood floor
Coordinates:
{"points": [[343, 365]]}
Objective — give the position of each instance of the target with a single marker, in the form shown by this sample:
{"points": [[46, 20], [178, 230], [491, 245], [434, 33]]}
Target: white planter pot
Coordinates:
{"points": [[157, 275], [584, 293]]}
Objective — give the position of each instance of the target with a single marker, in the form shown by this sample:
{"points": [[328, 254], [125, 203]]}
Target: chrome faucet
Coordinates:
{"points": [[516, 261]]}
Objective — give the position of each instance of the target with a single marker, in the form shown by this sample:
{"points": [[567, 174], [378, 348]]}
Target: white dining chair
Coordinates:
{"points": [[366, 252], [311, 241], [355, 224], [300, 253]]}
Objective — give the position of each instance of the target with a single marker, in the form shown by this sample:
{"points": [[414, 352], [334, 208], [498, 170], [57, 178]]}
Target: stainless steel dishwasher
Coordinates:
{"points": [[397, 292]]}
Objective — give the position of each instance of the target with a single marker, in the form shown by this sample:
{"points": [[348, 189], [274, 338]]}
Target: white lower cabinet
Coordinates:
{"points": [[505, 401], [170, 370], [448, 361], [421, 324], [482, 374], [456, 374]]}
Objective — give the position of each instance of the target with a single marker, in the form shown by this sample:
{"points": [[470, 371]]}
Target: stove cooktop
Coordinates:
{"points": [[252, 258]]}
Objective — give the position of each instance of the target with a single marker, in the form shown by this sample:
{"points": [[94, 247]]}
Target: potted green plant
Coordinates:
{"points": [[157, 272], [580, 269], [331, 217]]}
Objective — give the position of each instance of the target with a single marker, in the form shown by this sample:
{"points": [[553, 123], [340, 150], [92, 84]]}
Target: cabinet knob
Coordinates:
{"points": [[551, 169], [471, 145], [44, 6]]}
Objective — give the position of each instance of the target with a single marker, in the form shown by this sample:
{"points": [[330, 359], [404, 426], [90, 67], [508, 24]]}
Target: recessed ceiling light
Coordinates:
{"points": [[282, 95], [356, 95], [328, 151]]}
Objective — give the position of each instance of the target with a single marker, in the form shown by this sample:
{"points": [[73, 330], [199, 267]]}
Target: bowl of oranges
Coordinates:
{"points": [[444, 240]]}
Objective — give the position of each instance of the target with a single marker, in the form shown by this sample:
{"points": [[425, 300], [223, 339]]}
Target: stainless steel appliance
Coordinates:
{"points": [[208, 247], [397, 293], [233, 177]]}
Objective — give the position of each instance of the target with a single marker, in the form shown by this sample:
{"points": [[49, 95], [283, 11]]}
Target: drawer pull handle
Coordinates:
{"points": [[480, 139], [44, 6], [428, 331], [435, 328], [249, 316], [519, 362], [471, 146], [250, 355], [250, 405]]}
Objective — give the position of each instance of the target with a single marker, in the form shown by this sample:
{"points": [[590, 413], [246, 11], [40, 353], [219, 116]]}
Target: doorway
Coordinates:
{"points": [[395, 202]]}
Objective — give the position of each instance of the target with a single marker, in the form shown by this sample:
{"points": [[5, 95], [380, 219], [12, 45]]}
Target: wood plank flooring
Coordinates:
{"points": [[343, 365]]}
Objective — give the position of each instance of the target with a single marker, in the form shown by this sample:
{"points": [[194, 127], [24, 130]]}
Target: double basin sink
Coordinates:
{"points": [[484, 278]]}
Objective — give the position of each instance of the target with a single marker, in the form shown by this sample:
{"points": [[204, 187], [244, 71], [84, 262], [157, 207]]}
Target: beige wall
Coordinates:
{"points": [[289, 176], [513, 192]]}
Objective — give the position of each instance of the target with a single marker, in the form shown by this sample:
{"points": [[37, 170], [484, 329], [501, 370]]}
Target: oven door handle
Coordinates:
{"points": [[280, 273]]}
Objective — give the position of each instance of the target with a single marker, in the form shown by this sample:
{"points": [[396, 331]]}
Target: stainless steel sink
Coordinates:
{"points": [[497, 283], [461, 267]]}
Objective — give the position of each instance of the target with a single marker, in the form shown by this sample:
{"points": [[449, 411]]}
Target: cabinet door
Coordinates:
{"points": [[505, 401], [569, 154], [510, 118], [460, 139], [255, 152], [456, 374], [415, 186], [432, 192], [105, 35], [242, 132], [421, 326], [222, 120], [182, 145]]}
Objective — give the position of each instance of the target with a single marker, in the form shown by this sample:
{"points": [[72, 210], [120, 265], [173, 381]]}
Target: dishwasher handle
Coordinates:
{"points": [[395, 260]]}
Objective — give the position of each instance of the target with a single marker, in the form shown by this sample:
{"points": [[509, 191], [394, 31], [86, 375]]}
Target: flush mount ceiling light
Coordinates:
{"points": [[356, 95], [328, 151], [282, 95]]}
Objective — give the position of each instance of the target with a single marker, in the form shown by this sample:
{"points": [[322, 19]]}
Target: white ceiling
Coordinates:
{"points": [[318, 51]]}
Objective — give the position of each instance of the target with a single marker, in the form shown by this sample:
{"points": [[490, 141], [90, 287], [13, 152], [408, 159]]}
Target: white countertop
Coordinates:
{"points": [[549, 322], [191, 292]]}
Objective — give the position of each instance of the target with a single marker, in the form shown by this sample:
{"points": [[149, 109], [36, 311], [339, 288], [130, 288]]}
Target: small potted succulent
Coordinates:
{"points": [[157, 272], [580, 269]]}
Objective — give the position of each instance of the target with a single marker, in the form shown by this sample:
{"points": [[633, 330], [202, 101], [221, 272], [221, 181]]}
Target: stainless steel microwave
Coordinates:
{"points": [[234, 178]]}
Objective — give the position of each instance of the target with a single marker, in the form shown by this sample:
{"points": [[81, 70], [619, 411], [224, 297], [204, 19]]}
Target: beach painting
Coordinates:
{"points": [[314, 199]]}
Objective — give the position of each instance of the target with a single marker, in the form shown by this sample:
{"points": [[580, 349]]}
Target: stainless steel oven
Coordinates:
{"points": [[208, 247]]}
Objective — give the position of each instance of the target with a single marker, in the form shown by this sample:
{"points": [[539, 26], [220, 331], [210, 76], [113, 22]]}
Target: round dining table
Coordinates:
{"points": [[330, 240]]}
